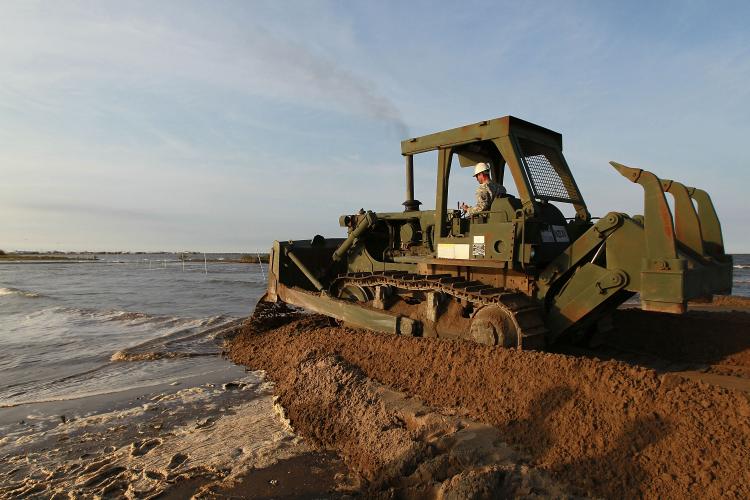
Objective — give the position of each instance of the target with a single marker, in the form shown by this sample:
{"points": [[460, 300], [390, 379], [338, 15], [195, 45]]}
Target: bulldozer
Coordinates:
{"points": [[518, 275]]}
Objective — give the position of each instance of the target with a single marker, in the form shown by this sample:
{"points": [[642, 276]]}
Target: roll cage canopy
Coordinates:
{"points": [[532, 153]]}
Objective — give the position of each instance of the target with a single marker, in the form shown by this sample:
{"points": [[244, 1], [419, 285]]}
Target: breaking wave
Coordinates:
{"points": [[183, 343], [150, 362], [19, 292], [125, 355], [131, 317], [177, 337]]}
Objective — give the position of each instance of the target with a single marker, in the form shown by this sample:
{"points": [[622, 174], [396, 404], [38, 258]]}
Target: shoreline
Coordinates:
{"points": [[50, 258], [221, 433], [71, 260], [116, 400]]}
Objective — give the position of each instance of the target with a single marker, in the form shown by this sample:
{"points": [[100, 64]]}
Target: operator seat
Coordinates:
{"points": [[505, 207]]}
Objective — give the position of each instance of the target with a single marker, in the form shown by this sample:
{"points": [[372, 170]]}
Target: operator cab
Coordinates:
{"points": [[528, 228]]}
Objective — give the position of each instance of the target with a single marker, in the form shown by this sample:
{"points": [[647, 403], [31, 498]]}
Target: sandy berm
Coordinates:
{"points": [[421, 417]]}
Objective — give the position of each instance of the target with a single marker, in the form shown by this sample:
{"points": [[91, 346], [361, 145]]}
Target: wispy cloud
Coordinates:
{"points": [[246, 112], [67, 51]]}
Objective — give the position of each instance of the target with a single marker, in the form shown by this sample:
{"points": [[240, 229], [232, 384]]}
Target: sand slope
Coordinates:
{"points": [[401, 445], [601, 428]]}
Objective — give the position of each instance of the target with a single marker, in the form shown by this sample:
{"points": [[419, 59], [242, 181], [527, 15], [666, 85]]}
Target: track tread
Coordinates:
{"points": [[527, 314]]}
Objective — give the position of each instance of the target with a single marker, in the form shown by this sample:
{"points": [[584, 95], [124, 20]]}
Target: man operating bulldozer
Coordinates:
{"points": [[487, 190]]}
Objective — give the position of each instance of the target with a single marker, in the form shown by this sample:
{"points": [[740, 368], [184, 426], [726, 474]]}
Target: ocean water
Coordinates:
{"points": [[75, 329], [741, 277]]}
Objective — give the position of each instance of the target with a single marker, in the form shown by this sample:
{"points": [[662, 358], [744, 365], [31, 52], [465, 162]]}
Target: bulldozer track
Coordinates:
{"points": [[523, 310]]}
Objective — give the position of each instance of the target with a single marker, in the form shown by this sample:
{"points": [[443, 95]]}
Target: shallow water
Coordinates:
{"points": [[741, 277], [74, 329]]}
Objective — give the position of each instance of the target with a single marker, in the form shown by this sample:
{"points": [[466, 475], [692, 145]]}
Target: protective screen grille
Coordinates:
{"points": [[545, 179]]}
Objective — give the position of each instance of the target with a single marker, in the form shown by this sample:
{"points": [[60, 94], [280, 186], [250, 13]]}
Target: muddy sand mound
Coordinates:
{"points": [[400, 445], [601, 428]]}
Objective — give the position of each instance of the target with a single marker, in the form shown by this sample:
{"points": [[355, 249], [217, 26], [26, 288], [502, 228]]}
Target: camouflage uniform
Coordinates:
{"points": [[485, 194]]}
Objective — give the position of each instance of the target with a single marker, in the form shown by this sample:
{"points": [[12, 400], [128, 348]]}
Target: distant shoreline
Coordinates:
{"points": [[45, 257], [85, 257], [52, 259]]}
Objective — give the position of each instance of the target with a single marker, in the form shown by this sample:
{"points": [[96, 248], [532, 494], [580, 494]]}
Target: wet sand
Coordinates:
{"points": [[220, 435]]}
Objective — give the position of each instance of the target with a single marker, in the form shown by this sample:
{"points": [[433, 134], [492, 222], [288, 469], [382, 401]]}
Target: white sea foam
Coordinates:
{"points": [[202, 442], [130, 317], [16, 291]]}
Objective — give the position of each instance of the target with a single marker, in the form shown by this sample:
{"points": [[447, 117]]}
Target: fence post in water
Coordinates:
{"points": [[205, 265], [263, 273]]}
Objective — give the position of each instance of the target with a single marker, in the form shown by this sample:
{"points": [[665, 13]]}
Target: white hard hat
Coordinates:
{"points": [[480, 167]]}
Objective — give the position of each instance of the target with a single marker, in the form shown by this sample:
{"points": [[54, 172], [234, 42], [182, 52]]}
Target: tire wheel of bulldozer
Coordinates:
{"points": [[493, 325]]}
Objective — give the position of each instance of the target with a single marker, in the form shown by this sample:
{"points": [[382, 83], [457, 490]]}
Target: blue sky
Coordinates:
{"points": [[221, 126]]}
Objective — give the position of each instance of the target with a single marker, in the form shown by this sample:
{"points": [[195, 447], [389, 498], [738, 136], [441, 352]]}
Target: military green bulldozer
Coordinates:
{"points": [[520, 274]]}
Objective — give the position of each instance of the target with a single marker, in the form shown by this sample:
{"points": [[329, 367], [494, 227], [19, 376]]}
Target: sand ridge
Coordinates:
{"points": [[602, 428]]}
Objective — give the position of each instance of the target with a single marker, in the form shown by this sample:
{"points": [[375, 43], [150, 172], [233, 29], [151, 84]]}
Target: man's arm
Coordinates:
{"points": [[484, 200]]}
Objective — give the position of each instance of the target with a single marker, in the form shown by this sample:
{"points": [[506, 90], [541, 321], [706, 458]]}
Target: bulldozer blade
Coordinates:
{"points": [[269, 313], [686, 220], [262, 307], [658, 225]]}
